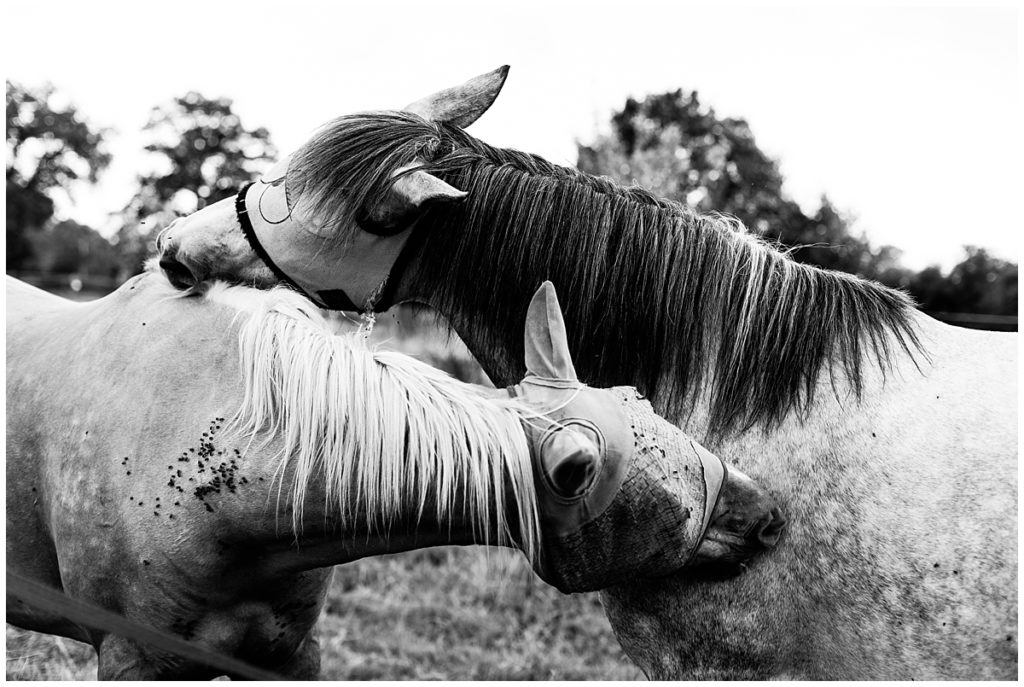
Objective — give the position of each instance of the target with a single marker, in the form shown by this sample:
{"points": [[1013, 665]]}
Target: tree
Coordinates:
{"points": [[202, 154], [980, 283], [72, 248], [677, 147], [203, 149], [48, 147]]}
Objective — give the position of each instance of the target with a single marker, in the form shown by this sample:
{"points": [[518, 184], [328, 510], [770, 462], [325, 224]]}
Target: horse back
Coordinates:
{"points": [[24, 299]]}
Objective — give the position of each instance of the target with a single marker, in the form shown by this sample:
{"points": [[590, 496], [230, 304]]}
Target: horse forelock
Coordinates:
{"points": [[349, 163], [696, 306], [387, 434]]}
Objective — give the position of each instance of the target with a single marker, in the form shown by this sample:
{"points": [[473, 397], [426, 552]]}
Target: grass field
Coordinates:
{"points": [[447, 613]]}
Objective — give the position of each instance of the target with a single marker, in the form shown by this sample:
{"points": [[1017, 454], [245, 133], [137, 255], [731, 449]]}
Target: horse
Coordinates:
{"points": [[197, 464], [888, 437]]}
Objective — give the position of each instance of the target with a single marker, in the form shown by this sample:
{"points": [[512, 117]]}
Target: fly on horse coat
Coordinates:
{"points": [[198, 464], [888, 437]]}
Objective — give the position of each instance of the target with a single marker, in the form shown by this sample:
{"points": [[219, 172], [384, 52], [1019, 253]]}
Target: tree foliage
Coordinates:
{"points": [[676, 146], [679, 148], [202, 153], [72, 248], [48, 146], [980, 283], [200, 146]]}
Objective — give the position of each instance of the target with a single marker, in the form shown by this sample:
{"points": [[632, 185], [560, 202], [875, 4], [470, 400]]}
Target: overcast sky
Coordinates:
{"points": [[907, 118]]}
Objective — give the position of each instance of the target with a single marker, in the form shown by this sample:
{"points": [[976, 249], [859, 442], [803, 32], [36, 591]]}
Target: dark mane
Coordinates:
{"points": [[679, 304], [350, 161]]}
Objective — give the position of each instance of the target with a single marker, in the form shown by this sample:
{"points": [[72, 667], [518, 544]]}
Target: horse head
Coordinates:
{"points": [[266, 233], [621, 491]]}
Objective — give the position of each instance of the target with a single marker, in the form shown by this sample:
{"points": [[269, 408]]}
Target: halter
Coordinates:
{"points": [[333, 299], [250, 235]]}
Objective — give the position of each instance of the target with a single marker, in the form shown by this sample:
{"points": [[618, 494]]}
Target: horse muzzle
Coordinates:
{"points": [[180, 276], [670, 506], [744, 522]]}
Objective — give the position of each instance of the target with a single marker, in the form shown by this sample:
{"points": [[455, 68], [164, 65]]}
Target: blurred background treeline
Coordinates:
{"points": [[198, 148], [672, 143]]}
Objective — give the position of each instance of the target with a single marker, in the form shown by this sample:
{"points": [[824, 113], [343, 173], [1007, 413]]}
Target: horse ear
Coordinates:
{"points": [[461, 105], [547, 346], [409, 196]]}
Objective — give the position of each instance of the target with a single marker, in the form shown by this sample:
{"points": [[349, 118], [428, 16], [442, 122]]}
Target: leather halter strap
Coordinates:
{"points": [[242, 213]]}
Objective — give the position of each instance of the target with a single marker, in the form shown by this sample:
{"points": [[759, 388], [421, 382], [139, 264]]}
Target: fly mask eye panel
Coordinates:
{"points": [[587, 418], [574, 437]]}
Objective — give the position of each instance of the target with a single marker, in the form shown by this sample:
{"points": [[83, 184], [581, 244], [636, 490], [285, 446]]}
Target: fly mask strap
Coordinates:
{"points": [[250, 235], [714, 477]]}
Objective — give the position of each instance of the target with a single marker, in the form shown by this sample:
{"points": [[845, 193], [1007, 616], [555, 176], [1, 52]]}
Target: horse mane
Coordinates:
{"points": [[382, 430], [680, 304], [355, 158]]}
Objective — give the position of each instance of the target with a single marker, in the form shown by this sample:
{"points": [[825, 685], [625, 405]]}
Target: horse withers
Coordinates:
{"points": [[197, 464]]}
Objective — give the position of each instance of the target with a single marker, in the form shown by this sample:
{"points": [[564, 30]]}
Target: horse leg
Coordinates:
{"points": [[121, 659], [304, 664]]}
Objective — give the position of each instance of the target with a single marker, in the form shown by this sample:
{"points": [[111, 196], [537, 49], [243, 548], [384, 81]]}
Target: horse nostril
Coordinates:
{"points": [[179, 275], [771, 528]]}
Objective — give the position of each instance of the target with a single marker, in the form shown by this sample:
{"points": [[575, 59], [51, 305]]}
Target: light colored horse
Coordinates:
{"points": [[890, 438], [133, 484]]}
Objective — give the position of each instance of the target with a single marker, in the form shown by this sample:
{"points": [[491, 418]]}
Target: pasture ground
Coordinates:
{"points": [[447, 613]]}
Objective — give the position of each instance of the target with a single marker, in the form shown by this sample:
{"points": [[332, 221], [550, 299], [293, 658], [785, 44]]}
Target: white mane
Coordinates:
{"points": [[384, 431]]}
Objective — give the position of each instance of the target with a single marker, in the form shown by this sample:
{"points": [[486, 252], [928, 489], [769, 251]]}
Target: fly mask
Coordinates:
{"points": [[621, 491]]}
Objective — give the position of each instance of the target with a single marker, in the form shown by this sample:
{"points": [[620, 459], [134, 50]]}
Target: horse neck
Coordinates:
{"points": [[376, 443], [680, 305], [320, 537]]}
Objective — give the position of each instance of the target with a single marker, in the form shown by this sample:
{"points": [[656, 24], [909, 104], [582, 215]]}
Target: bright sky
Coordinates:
{"points": [[905, 117]]}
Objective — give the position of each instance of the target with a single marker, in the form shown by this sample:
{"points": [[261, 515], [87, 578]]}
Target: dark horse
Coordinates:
{"points": [[888, 437]]}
